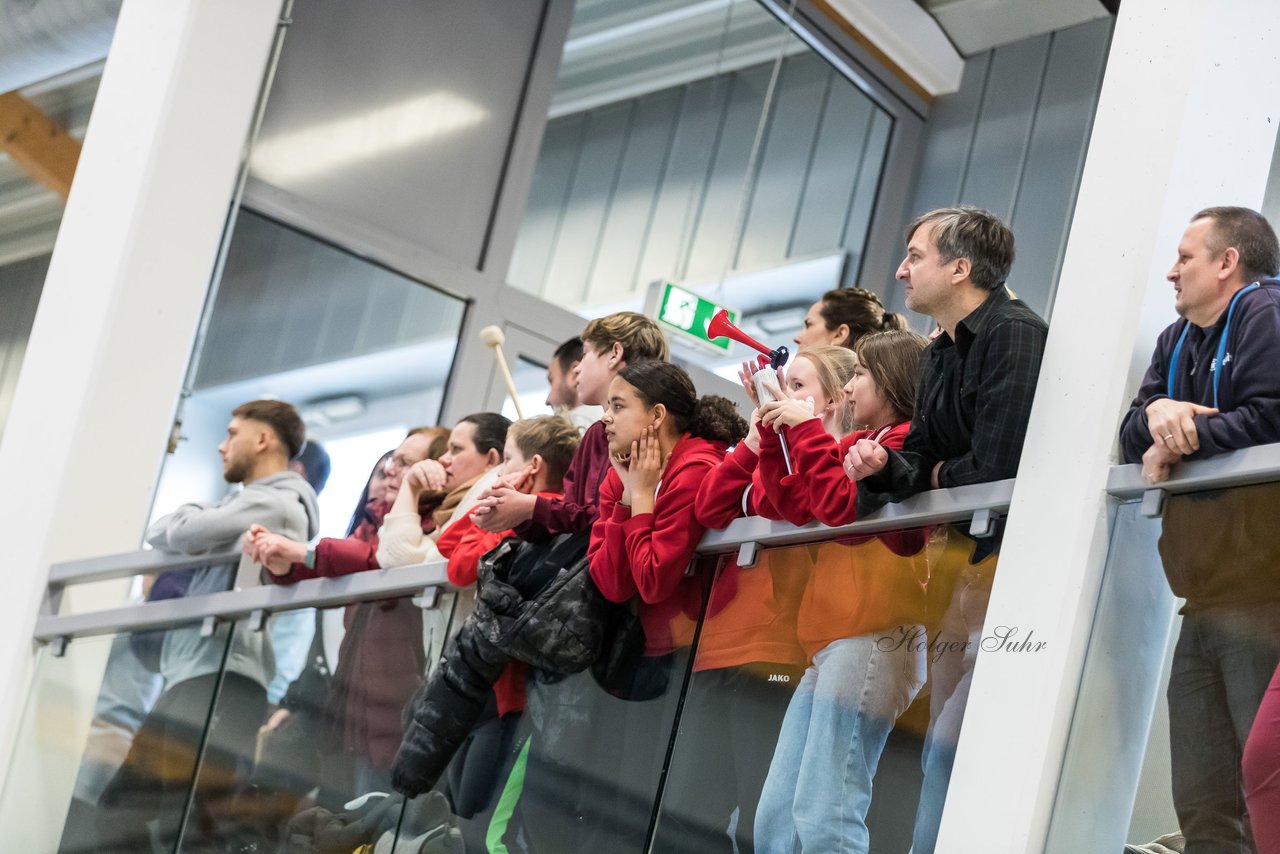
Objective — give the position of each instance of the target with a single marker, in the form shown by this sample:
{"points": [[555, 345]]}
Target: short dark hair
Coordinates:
{"points": [[314, 460], [568, 353], [281, 417], [973, 233], [1251, 235], [491, 431]]}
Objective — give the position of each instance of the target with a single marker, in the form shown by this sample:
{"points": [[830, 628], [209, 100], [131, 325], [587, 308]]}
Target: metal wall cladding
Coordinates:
{"points": [[662, 185], [1013, 140], [20, 286], [400, 114], [287, 301]]}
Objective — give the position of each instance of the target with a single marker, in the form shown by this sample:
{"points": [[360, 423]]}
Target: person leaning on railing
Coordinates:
{"points": [[976, 387], [557, 803], [749, 660], [862, 606], [456, 703], [232, 667], [664, 441], [381, 658], [1214, 386]]}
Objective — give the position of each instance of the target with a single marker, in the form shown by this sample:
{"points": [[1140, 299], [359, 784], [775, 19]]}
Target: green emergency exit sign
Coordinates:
{"points": [[690, 313]]}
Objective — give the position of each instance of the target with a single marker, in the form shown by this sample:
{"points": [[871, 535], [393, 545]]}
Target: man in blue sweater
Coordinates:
{"points": [[1213, 386]]}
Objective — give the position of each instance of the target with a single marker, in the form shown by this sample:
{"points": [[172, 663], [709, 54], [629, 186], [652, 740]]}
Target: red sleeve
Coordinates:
{"points": [[576, 509], [660, 545], [785, 496], [719, 499], [463, 543], [608, 550], [831, 495], [465, 546], [453, 534], [335, 557]]}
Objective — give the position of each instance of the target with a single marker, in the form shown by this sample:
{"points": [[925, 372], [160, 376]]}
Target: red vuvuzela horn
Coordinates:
{"points": [[722, 327]]}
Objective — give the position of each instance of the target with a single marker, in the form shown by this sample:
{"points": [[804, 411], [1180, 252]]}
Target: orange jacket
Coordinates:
{"points": [[751, 613], [858, 585]]}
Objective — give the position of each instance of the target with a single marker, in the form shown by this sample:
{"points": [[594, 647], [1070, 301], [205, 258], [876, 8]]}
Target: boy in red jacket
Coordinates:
{"points": [[537, 454]]}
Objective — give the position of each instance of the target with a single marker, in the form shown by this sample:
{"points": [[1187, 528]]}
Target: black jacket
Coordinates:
{"points": [[1214, 545], [1248, 390], [535, 603]]}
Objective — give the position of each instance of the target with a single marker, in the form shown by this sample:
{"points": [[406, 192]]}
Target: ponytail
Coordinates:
{"points": [[716, 419], [860, 310], [710, 417], [892, 322]]}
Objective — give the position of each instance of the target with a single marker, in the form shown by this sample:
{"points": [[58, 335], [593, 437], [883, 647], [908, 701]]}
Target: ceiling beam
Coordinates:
{"points": [[904, 39], [37, 143]]}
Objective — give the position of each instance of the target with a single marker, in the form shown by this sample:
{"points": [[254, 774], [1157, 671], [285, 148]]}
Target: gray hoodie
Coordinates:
{"points": [[282, 502]]}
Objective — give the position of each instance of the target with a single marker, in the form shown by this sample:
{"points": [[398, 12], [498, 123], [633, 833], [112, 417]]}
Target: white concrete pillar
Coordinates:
{"points": [[1186, 120], [86, 436]]}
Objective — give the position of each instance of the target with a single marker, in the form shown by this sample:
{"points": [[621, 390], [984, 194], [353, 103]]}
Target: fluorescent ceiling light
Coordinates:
{"points": [[305, 154]]}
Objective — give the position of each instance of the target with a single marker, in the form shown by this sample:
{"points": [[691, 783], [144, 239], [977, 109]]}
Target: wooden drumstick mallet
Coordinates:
{"points": [[493, 337]]}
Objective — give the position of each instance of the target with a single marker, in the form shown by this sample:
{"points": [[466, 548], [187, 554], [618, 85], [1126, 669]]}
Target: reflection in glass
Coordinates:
{"points": [[1167, 701], [806, 666]]}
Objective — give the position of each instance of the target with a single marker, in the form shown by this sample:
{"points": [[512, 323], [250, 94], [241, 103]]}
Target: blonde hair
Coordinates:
{"points": [[641, 337], [834, 365], [553, 438], [437, 438]]}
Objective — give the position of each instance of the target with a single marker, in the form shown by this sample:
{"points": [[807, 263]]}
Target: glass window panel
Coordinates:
{"points": [[807, 693], [395, 119], [1163, 693], [300, 320], [105, 757], [274, 776], [706, 145]]}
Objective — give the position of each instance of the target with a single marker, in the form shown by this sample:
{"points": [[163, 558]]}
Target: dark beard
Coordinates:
{"points": [[236, 474]]}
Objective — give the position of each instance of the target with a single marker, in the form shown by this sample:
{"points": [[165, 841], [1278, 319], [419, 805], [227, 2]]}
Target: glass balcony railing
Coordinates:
{"points": [[1184, 639], [704, 740], [624, 750]]}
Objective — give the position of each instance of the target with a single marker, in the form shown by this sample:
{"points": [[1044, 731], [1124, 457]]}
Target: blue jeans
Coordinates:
{"points": [[955, 648], [818, 789], [1222, 665]]}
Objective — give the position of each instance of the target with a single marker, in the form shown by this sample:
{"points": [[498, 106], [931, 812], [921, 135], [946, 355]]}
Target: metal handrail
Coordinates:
{"points": [[935, 507], [979, 503], [930, 508], [246, 602], [129, 564], [1259, 464]]}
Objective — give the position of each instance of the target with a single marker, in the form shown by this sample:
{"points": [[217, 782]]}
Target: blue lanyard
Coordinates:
{"points": [[1218, 366]]}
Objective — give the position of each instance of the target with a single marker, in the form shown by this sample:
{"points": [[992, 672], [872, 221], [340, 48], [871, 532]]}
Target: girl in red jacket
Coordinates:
{"points": [[859, 617], [748, 660], [663, 442]]}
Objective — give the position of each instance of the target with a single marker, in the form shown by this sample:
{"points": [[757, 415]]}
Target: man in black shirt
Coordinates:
{"points": [[974, 400]]}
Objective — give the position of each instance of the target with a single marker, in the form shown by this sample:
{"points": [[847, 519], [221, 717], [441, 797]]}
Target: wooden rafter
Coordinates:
{"points": [[37, 143]]}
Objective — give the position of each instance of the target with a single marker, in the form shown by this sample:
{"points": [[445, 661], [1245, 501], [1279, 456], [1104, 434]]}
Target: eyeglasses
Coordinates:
{"points": [[399, 461]]}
